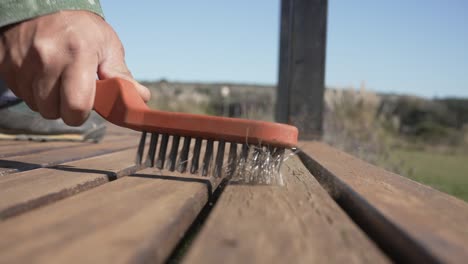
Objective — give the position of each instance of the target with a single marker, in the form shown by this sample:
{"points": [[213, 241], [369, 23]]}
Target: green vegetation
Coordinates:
{"points": [[425, 140], [443, 171]]}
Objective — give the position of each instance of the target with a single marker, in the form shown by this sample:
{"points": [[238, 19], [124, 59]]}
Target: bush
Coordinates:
{"points": [[435, 133]]}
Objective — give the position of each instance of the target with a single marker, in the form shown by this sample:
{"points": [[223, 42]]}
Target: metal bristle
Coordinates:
{"points": [[152, 150], [278, 154], [218, 169], [183, 157], [271, 149], [244, 152], [232, 160], [256, 165], [249, 164], [173, 153], [196, 156], [162, 151], [241, 162], [141, 148], [208, 157]]}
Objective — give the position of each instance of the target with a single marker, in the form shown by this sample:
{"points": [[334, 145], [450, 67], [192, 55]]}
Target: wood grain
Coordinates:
{"points": [[17, 148], [411, 221], [34, 147], [11, 142], [61, 155], [24, 191], [295, 223], [134, 219]]}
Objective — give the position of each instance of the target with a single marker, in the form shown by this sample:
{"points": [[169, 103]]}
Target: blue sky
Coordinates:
{"points": [[418, 47]]}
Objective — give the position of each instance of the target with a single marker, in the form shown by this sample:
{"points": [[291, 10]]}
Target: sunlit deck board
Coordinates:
{"points": [[68, 208], [27, 190], [56, 156], [133, 219], [412, 221], [295, 223], [11, 148], [23, 148]]}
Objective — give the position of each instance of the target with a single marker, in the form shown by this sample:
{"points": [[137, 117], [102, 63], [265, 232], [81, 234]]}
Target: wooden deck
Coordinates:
{"points": [[84, 202]]}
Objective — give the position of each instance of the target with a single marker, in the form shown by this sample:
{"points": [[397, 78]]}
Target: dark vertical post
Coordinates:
{"points": [[302, 65]]}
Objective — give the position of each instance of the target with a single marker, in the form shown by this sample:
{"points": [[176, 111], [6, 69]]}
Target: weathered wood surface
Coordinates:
{"points": [[134, 219], [18, 148], [295, 223], [60, 155], [33, 147], [24, 191], [72, 205], [411, 221]]}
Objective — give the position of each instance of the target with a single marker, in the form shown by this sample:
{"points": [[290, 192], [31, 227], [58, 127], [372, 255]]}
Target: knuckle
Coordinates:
{"points": [[41, 93], [76, 45], [44, 50]]}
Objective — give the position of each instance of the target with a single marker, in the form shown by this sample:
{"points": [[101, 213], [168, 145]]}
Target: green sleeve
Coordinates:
{"points": [[13, 11]]}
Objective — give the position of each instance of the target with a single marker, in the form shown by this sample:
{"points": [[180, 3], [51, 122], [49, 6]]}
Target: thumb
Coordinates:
{"points": [[114, 66]]}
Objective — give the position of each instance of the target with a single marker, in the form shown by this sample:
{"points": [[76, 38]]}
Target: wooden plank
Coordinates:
{"points": [[302, 65], [11, 142], [17, 148], [135, 219], [57, 156], [34, 147], [295, 223], [411, 221], [24, 191]]}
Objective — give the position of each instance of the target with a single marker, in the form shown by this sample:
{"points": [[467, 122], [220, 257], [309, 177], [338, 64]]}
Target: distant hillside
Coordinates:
{"points": [[249, 101]]}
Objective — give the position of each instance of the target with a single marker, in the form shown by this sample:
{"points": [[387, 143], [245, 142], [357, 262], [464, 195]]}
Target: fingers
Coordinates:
{"points": [[38, 80], [113, 65], [54, 64], [77, 91], [46, 91], [61, 89], [24, 90]]}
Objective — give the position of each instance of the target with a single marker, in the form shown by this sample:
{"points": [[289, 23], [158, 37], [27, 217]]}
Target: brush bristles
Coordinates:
{"points": [[251, 164]]}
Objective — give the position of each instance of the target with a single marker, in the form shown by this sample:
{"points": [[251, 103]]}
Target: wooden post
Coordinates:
{"points": [[302, 65]]}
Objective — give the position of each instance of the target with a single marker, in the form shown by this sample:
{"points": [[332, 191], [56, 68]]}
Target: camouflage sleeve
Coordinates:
{"points": [[13, 11]]}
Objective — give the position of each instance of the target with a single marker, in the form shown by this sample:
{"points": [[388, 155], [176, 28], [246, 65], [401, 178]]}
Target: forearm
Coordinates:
{"points": [[13, 11]]}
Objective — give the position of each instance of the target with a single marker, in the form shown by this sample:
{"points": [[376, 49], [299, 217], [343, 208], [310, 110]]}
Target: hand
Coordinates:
{"points": [[51, 62]]}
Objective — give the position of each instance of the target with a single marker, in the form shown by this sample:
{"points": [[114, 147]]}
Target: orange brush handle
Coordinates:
{"points": [[118, 102]]}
